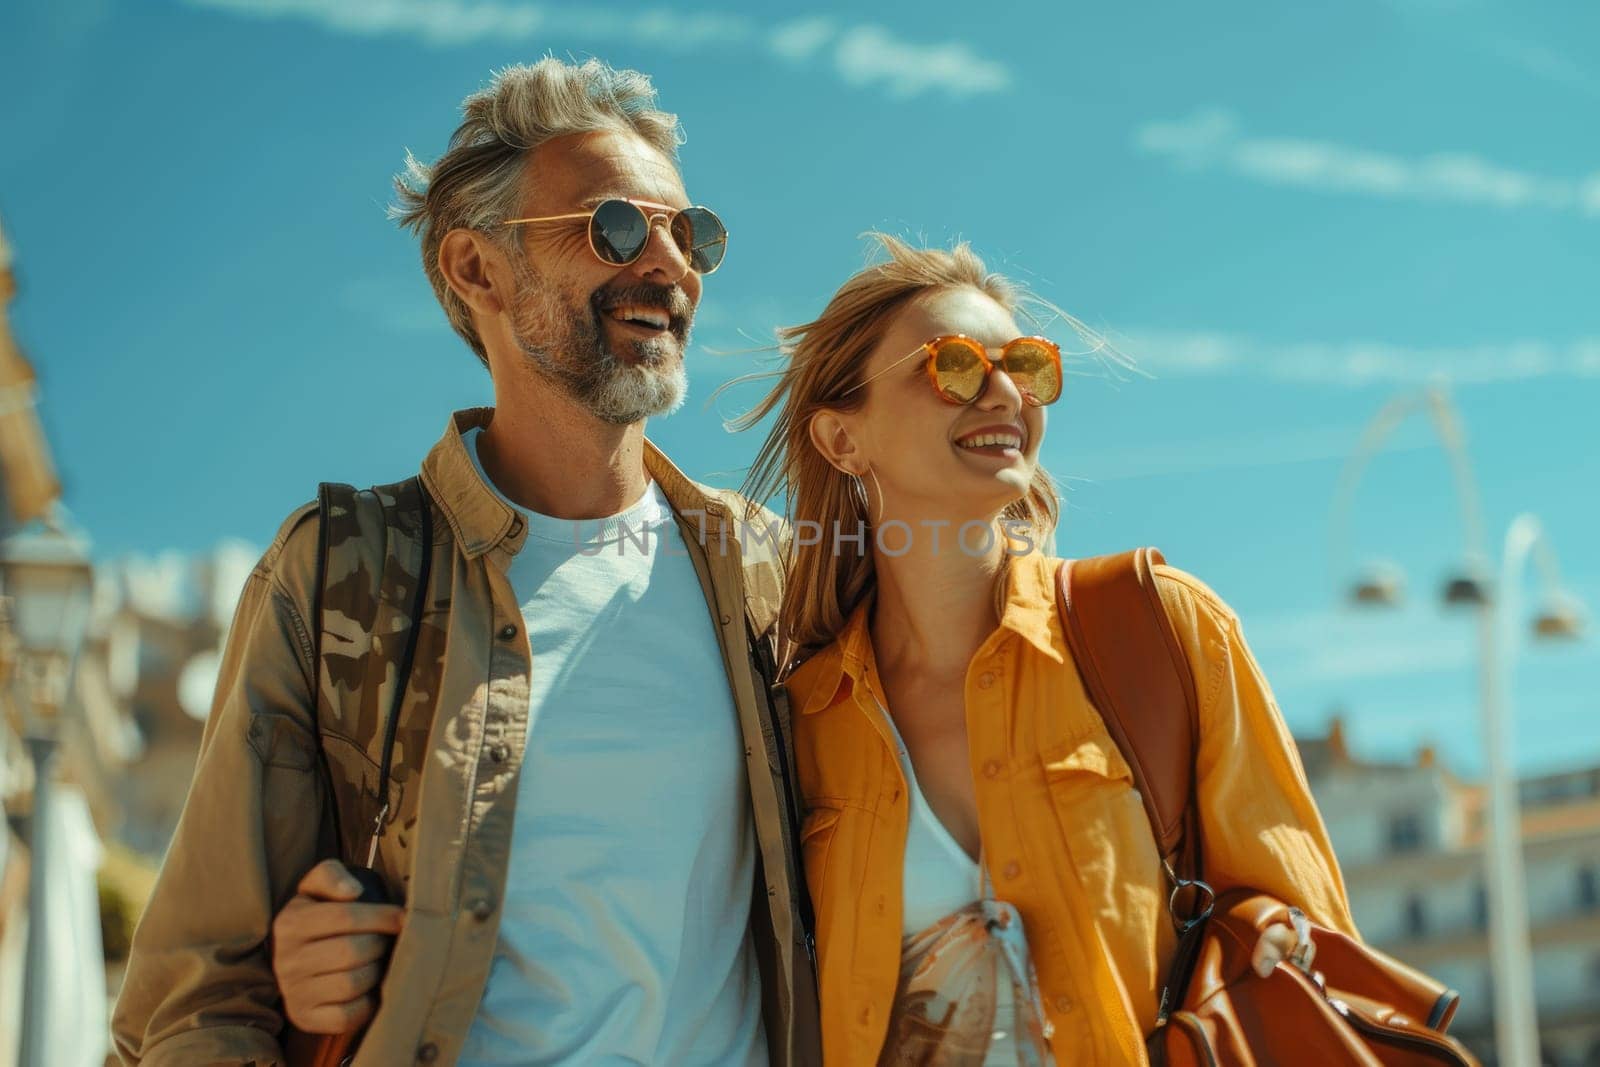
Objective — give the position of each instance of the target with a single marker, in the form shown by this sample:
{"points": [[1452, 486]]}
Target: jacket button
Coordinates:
{"points": [[427, 1053], [507, 632], [500, 752], [986, 680], [726, 619], [482, 909], [991, 768], [1012, 869], [1063, 1004]]}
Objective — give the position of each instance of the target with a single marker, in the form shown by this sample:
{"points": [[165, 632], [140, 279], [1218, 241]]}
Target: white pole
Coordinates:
{"points": [[1516, 1024], [38, 975]]}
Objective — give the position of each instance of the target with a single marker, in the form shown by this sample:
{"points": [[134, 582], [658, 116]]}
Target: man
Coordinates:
{"points": [[590, 822]]}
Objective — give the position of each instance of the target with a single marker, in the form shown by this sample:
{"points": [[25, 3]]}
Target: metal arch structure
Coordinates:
{"points": [[1435, 403]]}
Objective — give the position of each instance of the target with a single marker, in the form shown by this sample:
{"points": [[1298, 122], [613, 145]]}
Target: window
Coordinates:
{"points": [[1405, 832], [1416, 917]]}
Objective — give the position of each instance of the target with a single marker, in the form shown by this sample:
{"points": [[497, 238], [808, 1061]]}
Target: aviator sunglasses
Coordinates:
{"points": [[958, 368], [619, 229]]}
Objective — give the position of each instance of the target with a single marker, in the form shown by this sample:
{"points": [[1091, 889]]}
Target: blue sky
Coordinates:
{"points": [[1287, 213]]}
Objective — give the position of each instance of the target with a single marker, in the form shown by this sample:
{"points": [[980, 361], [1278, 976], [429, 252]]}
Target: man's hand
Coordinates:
{"points": [[327, 952], [1284, 941]]}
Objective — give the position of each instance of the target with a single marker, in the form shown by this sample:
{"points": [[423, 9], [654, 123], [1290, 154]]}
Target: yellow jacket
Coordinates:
{"points": [[1064, 833]]}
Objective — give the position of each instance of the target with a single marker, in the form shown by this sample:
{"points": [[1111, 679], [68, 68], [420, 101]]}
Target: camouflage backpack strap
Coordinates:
{"points": [[373, 569]]}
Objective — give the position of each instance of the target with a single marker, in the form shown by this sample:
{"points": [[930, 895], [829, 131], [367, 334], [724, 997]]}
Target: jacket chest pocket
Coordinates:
{"points": [[829, 842], [816, 836], [1107, 838]]}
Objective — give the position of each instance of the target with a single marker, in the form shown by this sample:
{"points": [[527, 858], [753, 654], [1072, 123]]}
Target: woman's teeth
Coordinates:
{"points": [[991, 440]]}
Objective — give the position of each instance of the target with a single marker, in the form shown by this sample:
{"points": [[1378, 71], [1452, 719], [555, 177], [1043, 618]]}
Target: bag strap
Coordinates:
{"points": [[1138, 678], [375, 551]]}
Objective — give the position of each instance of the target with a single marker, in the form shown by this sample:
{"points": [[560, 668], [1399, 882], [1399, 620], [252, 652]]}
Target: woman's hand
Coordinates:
{"points": [[1289, 941], [327, 952]]}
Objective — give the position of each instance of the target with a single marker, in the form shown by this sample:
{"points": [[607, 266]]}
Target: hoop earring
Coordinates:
{"points": [[858, 496], [864, 502]]}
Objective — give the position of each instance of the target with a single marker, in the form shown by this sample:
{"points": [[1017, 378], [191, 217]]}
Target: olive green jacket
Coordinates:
{"points": [[199, 986]]}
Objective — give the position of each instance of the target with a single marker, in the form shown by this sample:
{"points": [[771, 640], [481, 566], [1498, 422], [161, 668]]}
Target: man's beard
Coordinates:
{"points": [[562, 337]]}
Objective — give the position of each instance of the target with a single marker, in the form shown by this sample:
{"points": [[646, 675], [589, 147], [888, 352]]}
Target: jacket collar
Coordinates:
{"points": [[1030, 609], [482, 521], [1030, 612]]}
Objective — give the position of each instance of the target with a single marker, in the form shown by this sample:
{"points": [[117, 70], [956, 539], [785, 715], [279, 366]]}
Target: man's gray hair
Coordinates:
{"points": [[478, 181]]}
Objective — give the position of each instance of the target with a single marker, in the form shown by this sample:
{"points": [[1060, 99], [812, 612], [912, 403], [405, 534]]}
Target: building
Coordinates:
{"points": [[1409, 838]]}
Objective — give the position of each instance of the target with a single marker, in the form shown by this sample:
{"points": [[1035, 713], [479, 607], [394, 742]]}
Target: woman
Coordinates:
{"points": [[946, 749]]}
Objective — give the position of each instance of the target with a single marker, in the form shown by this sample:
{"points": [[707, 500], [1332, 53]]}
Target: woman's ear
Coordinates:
{"points": [[830, 435]]}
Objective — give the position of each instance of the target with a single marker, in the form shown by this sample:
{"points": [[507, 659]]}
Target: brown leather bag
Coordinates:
{"points": [[1359, 1007]]}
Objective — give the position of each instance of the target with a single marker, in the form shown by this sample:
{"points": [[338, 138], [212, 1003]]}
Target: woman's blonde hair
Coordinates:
{"points": [[827, 358]]}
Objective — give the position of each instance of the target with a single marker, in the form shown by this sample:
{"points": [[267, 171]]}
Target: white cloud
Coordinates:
{"points": [[870, 54], [865, 56], [1213, 139], [800, 39], [1359, 362]]}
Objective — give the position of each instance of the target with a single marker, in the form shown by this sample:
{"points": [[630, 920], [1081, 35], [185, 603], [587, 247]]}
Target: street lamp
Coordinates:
{"points": [[1561, 617], [1383, 585], [1473, 587], [46, 577]]}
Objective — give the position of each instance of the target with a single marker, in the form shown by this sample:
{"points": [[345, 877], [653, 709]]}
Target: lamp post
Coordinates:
{"points": [[45, 574], [1497, 610], [1559, 618]]}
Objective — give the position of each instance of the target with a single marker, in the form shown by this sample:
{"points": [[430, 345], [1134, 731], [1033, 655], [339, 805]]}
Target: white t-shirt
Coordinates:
{"points": [[625, 931]]}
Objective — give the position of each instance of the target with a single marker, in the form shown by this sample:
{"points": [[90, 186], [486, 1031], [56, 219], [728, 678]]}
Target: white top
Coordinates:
{"points": [[624, 936], [939, 876]]}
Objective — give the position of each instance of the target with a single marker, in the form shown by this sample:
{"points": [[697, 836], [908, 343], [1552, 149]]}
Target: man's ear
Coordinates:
{"points": [[476, 270], [831, 435]]}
